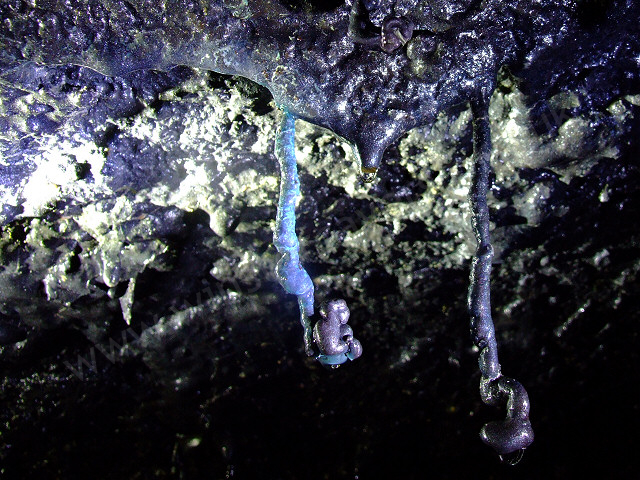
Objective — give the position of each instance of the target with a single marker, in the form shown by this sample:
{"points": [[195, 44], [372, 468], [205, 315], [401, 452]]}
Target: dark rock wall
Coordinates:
{"points": [[137, 221]]}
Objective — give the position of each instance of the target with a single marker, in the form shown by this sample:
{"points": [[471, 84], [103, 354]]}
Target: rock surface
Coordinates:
{"points": [[137, 221]]}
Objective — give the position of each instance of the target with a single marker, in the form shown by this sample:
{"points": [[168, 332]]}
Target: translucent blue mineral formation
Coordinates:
{"points": [[333, 337]]}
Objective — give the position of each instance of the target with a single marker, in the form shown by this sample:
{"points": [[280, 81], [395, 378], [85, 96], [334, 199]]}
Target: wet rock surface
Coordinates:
{"points": [[144, 335]]}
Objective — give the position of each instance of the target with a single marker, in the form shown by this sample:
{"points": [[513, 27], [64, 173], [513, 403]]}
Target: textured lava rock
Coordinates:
{"points": [[137, 221], [308, 60]]}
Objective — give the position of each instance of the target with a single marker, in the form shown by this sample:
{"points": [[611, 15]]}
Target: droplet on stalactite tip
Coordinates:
{"points": [[512, 458], [368, 174]]}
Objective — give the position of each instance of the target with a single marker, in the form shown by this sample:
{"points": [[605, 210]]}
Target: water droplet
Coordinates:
{"points": [[512, 458]]}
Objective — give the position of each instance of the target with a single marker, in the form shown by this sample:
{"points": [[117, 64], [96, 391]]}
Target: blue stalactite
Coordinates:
{"points": [[332, 335], [290, 272]]}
